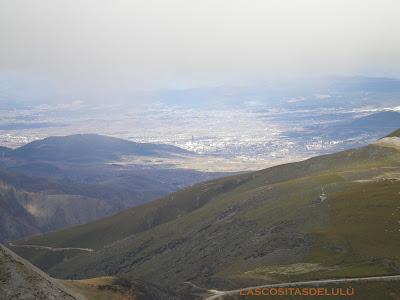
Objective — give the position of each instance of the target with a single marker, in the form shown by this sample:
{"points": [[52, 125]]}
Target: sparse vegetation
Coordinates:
{"points": [[220, 234]]}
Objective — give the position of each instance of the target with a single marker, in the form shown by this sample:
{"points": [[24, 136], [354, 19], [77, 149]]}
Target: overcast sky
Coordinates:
{"points": [[176, 43]]}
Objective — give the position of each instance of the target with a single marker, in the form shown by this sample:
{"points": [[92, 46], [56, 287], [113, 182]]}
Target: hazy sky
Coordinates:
{"points": [[160, 43]]}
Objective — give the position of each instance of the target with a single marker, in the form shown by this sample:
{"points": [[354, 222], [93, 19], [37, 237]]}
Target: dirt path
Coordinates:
{"points": [[51, 248], [217, 294]]}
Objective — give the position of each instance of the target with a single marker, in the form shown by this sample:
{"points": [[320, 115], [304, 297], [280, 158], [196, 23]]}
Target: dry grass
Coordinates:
{"points": [[99, 288]]}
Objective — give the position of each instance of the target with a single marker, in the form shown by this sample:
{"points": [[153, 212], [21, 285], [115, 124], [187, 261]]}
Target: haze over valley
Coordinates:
{"points": [[232, 128], [199, 150]]}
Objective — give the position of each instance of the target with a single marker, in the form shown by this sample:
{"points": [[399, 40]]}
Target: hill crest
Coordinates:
{"points": [[90, 148]]}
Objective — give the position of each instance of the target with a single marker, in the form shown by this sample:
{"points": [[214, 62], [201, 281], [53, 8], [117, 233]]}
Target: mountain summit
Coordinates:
{"points": [[90, 148]]}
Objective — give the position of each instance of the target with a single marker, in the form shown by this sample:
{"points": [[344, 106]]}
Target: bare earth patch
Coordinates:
{"points": [[393, 142], [293, 269]]}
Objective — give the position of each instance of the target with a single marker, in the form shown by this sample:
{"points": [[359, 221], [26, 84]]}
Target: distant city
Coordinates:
{"points": [[257, 133]]}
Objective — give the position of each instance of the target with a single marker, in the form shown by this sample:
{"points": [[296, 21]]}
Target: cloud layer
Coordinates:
{"points": [[157, 43]]}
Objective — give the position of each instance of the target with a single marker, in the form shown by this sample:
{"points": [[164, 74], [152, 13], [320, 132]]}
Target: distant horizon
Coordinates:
{"points": [[104, 48], [19, 87]]}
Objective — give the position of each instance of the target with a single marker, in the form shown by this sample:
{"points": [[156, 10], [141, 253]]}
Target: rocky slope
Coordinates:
{"points": [[21, 280], [15, 220]]}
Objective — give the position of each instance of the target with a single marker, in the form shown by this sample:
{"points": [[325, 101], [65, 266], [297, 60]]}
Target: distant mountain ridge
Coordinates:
{"points": [[389, 120], [370, 127], [90, 148]]}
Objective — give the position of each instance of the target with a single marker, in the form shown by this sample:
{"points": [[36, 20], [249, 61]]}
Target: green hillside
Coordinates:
{"points": [[255, 228]]}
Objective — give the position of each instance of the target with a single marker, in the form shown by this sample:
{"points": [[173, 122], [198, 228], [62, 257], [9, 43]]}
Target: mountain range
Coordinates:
{"points": [[58, 182], [370, 126], [330, 216]]}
